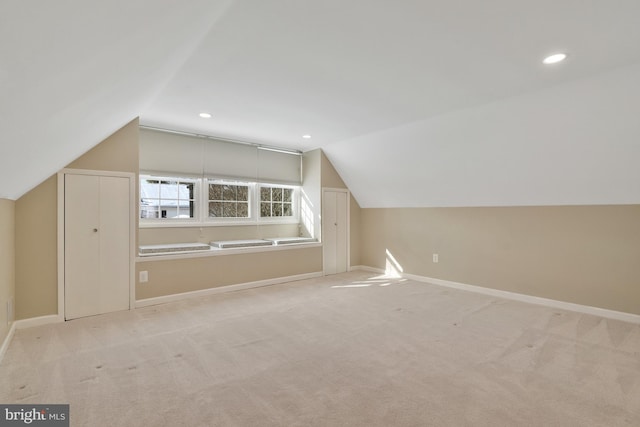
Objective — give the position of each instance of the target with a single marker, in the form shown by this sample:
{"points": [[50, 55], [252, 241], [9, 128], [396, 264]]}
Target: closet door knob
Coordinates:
{"points": [[95, 230]]}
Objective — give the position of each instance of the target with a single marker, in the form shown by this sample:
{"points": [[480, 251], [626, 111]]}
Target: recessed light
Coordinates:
{"points": [[306, 136], [205, 115], [555, 58]]}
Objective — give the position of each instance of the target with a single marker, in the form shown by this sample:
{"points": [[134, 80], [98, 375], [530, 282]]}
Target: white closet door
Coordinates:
{"points": [[96, 245], [335, 230]]}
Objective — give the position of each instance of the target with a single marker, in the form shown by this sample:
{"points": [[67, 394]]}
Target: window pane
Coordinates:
{"points": [[187, 190], [287, 210], [288, 194], [265, 194], [168, 190], [243, 210], [265, 209], [243, 193], [229, 209], [169, 209], [184, 212], [149, 209], [277, 194], [167, 198], [215, 192], [277, 209], [215, 209], [229, 192]]}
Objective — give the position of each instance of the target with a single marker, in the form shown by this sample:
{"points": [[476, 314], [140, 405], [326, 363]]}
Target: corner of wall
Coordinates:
{"points": [[330, 177], [119, 152], [7, 269], [37, 245]]}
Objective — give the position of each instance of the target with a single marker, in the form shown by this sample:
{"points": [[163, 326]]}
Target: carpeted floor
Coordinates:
{"points": [[345, 350]]}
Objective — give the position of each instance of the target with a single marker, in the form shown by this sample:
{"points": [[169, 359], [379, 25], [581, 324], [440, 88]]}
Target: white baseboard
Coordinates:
{"points": [[7, 341], [27, 323], [38, 321], [586, 309], [230, 288]]}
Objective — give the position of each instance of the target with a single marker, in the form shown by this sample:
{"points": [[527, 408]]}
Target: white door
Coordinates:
{"points": [[334, 231], [96, 244]]}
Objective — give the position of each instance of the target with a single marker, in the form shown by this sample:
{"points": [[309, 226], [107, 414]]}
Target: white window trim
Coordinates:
{"points": [[201, 196], [279, 219], [172, 222], [207, 220]]}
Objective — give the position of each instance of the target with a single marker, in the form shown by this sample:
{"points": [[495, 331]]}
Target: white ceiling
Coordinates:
{"points": [[371, 80]]}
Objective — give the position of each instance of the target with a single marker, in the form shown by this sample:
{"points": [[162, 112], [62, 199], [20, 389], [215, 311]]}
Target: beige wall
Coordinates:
{"points": [[330, 178], [7, 262], [119, 152], [185, 275], [587, 255], [36, 251], [37, 224]]}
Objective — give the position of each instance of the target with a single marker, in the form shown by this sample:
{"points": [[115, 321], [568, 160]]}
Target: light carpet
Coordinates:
{"points": [[345, 350]]}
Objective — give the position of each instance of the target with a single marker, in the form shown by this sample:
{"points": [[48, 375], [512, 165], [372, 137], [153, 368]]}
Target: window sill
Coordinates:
{"points": [[220, 252]]}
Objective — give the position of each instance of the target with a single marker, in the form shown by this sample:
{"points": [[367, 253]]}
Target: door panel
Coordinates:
{"points": [[82, 213], [114, 244], [341, 232], [335, 231], [330, 235], [96, 245]]}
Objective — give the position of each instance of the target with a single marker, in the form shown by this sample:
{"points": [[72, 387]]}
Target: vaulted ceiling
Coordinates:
{"points": [[416, 102]]}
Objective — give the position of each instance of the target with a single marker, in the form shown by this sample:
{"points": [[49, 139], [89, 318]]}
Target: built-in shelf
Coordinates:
{"points": [[174, 247], [226, 247]]}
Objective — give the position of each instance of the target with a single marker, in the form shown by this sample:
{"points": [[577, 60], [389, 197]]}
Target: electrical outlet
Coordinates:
{"points": [[144, 276], [435, 257]]}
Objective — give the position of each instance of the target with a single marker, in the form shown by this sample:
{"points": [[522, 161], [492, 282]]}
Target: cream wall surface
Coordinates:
{"points": [[168, 277], [37, 251], [587, 255]]}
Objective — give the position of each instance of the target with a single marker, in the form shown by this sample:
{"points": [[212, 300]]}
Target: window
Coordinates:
{"points": [[167, 198], [228, 200], [209, 201], [276, 201]]}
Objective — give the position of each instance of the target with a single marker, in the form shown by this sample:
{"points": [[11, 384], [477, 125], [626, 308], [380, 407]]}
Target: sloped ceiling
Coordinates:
{"points": [[417, 103], [72, 72]]}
